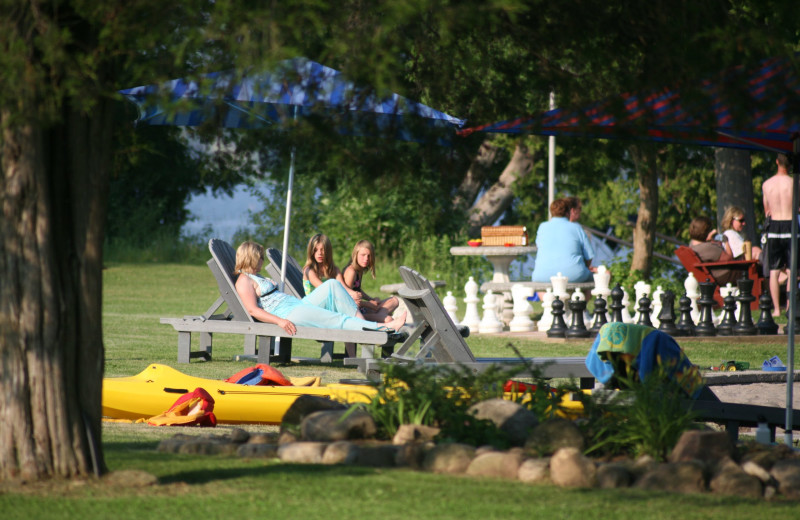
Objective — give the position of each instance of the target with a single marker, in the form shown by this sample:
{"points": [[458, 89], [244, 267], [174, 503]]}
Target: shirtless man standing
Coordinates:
{"points": [[777, 192]]}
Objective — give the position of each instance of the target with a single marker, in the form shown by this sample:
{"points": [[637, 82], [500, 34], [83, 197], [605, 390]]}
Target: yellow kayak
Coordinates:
{"points": [[156, 388]]}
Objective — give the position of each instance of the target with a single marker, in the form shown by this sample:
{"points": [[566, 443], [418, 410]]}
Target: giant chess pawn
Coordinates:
{"points": [[692, 287], [522, 309], [685, 323], [640, 289], [599, 318], [616, 304], [705, 327], [490, 323], [578, 295], [451, 306], [547, 311], [766, 324], [559, 327], [657, 302], [626, 315], [643, 311], [666, 315], [725, 327], [472, 318], [744, 326]]}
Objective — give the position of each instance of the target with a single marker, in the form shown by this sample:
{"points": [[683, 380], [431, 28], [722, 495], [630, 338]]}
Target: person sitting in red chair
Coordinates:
{"points": [[709, 250]]}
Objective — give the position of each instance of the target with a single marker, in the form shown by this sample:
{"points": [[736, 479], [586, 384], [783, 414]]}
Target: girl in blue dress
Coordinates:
{"points": [[261, 298]]}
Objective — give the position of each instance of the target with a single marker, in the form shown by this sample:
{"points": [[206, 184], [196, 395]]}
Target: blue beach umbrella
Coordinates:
{"points": [[296, 88]]}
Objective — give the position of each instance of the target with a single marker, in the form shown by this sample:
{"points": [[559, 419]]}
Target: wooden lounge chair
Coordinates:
{"points": [[440, 341], [702, 271], [259, 337]]}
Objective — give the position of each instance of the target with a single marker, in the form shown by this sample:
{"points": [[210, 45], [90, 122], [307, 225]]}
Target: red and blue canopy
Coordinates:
{"points": [[754, 109]]}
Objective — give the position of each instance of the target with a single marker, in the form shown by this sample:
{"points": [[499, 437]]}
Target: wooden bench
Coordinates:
{"points": [[536, 286]]}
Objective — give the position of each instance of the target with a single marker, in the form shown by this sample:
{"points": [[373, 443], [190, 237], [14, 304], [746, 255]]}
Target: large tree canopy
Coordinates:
{"points": [[63, 61]]}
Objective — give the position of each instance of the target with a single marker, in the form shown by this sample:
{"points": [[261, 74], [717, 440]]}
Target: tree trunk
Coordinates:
{"points": [[499, 197], [54, 187], [644, 233], [476, 175], [734, 179]]}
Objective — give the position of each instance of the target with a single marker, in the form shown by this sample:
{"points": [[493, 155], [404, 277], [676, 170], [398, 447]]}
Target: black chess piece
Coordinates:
{"points": [[559, 327], [685, 323], [599, 315], [725, 327], [705, 325], [766, 325], [616, 304], [644, 311], [577, 327], [666, 318], [744, 326]]}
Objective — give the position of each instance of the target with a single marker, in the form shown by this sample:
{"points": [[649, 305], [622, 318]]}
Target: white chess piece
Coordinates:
{"points": [[451, 306], [601, 280], [692, 287], [522, 309], [559, 283], [640, 289], [626, 315], [657, 305], [547, 307], [471, 316], [490, 323]]}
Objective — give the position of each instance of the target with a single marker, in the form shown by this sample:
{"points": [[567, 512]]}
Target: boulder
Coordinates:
{"points": [[341, 452], [337, 425], [787, 474], [302, 452], [511, 418], [707, 446], [571, 468], [407, 433], [614, 475], [258, 450], [534, 470], [497, 464], [451, 458], [676, 477], [306, 405], [554, 434], [732, 480]]}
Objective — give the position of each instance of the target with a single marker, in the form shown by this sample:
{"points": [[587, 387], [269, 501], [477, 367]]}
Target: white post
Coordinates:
{"points": [[551, 160]]}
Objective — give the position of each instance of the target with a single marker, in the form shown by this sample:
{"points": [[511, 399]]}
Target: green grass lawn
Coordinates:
{"points": [[136, 296]]}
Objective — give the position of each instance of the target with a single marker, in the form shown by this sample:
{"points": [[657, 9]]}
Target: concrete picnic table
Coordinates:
{"points": [[500, 257]]}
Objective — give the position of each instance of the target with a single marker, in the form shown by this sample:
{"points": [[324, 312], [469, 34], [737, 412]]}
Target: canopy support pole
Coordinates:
{"points": [[287, 219], [795, 156], [551, 162]]}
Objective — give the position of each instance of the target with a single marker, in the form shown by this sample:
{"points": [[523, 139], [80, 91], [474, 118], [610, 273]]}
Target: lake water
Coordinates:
{"points": [[224, 214]]}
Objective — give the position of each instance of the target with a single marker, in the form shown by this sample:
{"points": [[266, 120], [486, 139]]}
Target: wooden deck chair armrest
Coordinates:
{"points": [[734, 264], [413, 294]]}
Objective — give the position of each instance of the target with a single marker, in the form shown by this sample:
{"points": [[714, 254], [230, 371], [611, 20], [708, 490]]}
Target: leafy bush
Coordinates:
{"points": [[440, 396], [646, 419]]}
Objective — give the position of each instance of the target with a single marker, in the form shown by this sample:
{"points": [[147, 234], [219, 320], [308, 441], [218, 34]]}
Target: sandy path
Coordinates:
{"points": [[764, 394]]}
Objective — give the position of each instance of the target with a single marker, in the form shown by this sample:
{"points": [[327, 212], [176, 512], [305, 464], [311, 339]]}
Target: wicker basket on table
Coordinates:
{"points": [[502, 235]]}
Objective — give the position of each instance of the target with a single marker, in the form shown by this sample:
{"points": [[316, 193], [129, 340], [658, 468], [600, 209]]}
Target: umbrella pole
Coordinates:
{"points": [[787, 436], [287, 221]]}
